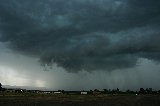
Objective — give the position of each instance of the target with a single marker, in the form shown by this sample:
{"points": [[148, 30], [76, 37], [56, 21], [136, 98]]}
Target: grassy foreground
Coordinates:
{"points": [[79, 100]]}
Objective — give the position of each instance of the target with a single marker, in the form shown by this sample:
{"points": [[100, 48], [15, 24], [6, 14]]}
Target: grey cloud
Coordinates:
{"points": [[83, 34]]}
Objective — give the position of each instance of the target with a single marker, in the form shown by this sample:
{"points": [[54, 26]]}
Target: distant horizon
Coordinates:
{"points": [[49, 89]]}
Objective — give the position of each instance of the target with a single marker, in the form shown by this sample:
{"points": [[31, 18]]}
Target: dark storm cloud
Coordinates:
{"points": [[83, 34]]}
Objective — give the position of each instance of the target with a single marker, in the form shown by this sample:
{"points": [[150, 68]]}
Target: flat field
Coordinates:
{"points": [[79, 100]]}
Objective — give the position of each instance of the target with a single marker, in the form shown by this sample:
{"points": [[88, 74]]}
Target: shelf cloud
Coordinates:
{"points": [[83, 34]]}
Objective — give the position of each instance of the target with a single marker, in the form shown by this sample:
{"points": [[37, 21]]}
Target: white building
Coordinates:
{"points": [[57, 92], [84, 93]]}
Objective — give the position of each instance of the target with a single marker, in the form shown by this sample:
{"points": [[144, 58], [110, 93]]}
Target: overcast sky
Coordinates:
{"points": [[80, 44]]}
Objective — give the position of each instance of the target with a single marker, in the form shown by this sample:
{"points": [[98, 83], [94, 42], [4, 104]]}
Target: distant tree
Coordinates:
{"points": [[96, 90], [59, 90], [117, 90], [109, 90], [149, 90], [0, 86], [113, 91], [128, 91], [105, 90], [142, 91], [90, 92]]}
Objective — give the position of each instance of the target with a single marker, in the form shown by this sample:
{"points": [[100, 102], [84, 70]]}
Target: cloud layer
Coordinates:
{"points": [[83, 34]]}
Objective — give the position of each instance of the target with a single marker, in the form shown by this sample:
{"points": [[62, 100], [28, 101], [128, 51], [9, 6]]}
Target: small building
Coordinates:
{"points": [[46, 92], [84, 93], [57, 92]]}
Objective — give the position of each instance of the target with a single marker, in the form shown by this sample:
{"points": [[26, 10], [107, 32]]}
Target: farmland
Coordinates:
{"points": [[12, 99]]}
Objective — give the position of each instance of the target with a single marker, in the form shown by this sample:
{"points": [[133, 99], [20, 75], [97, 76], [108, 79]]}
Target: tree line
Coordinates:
{"points": [[105, 91]]}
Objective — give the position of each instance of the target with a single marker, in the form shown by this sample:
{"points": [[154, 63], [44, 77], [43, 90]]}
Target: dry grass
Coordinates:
{"points": [[79, 100]]}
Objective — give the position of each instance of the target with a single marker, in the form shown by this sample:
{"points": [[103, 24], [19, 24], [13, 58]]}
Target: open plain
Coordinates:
{"points": [[79, 100]]}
